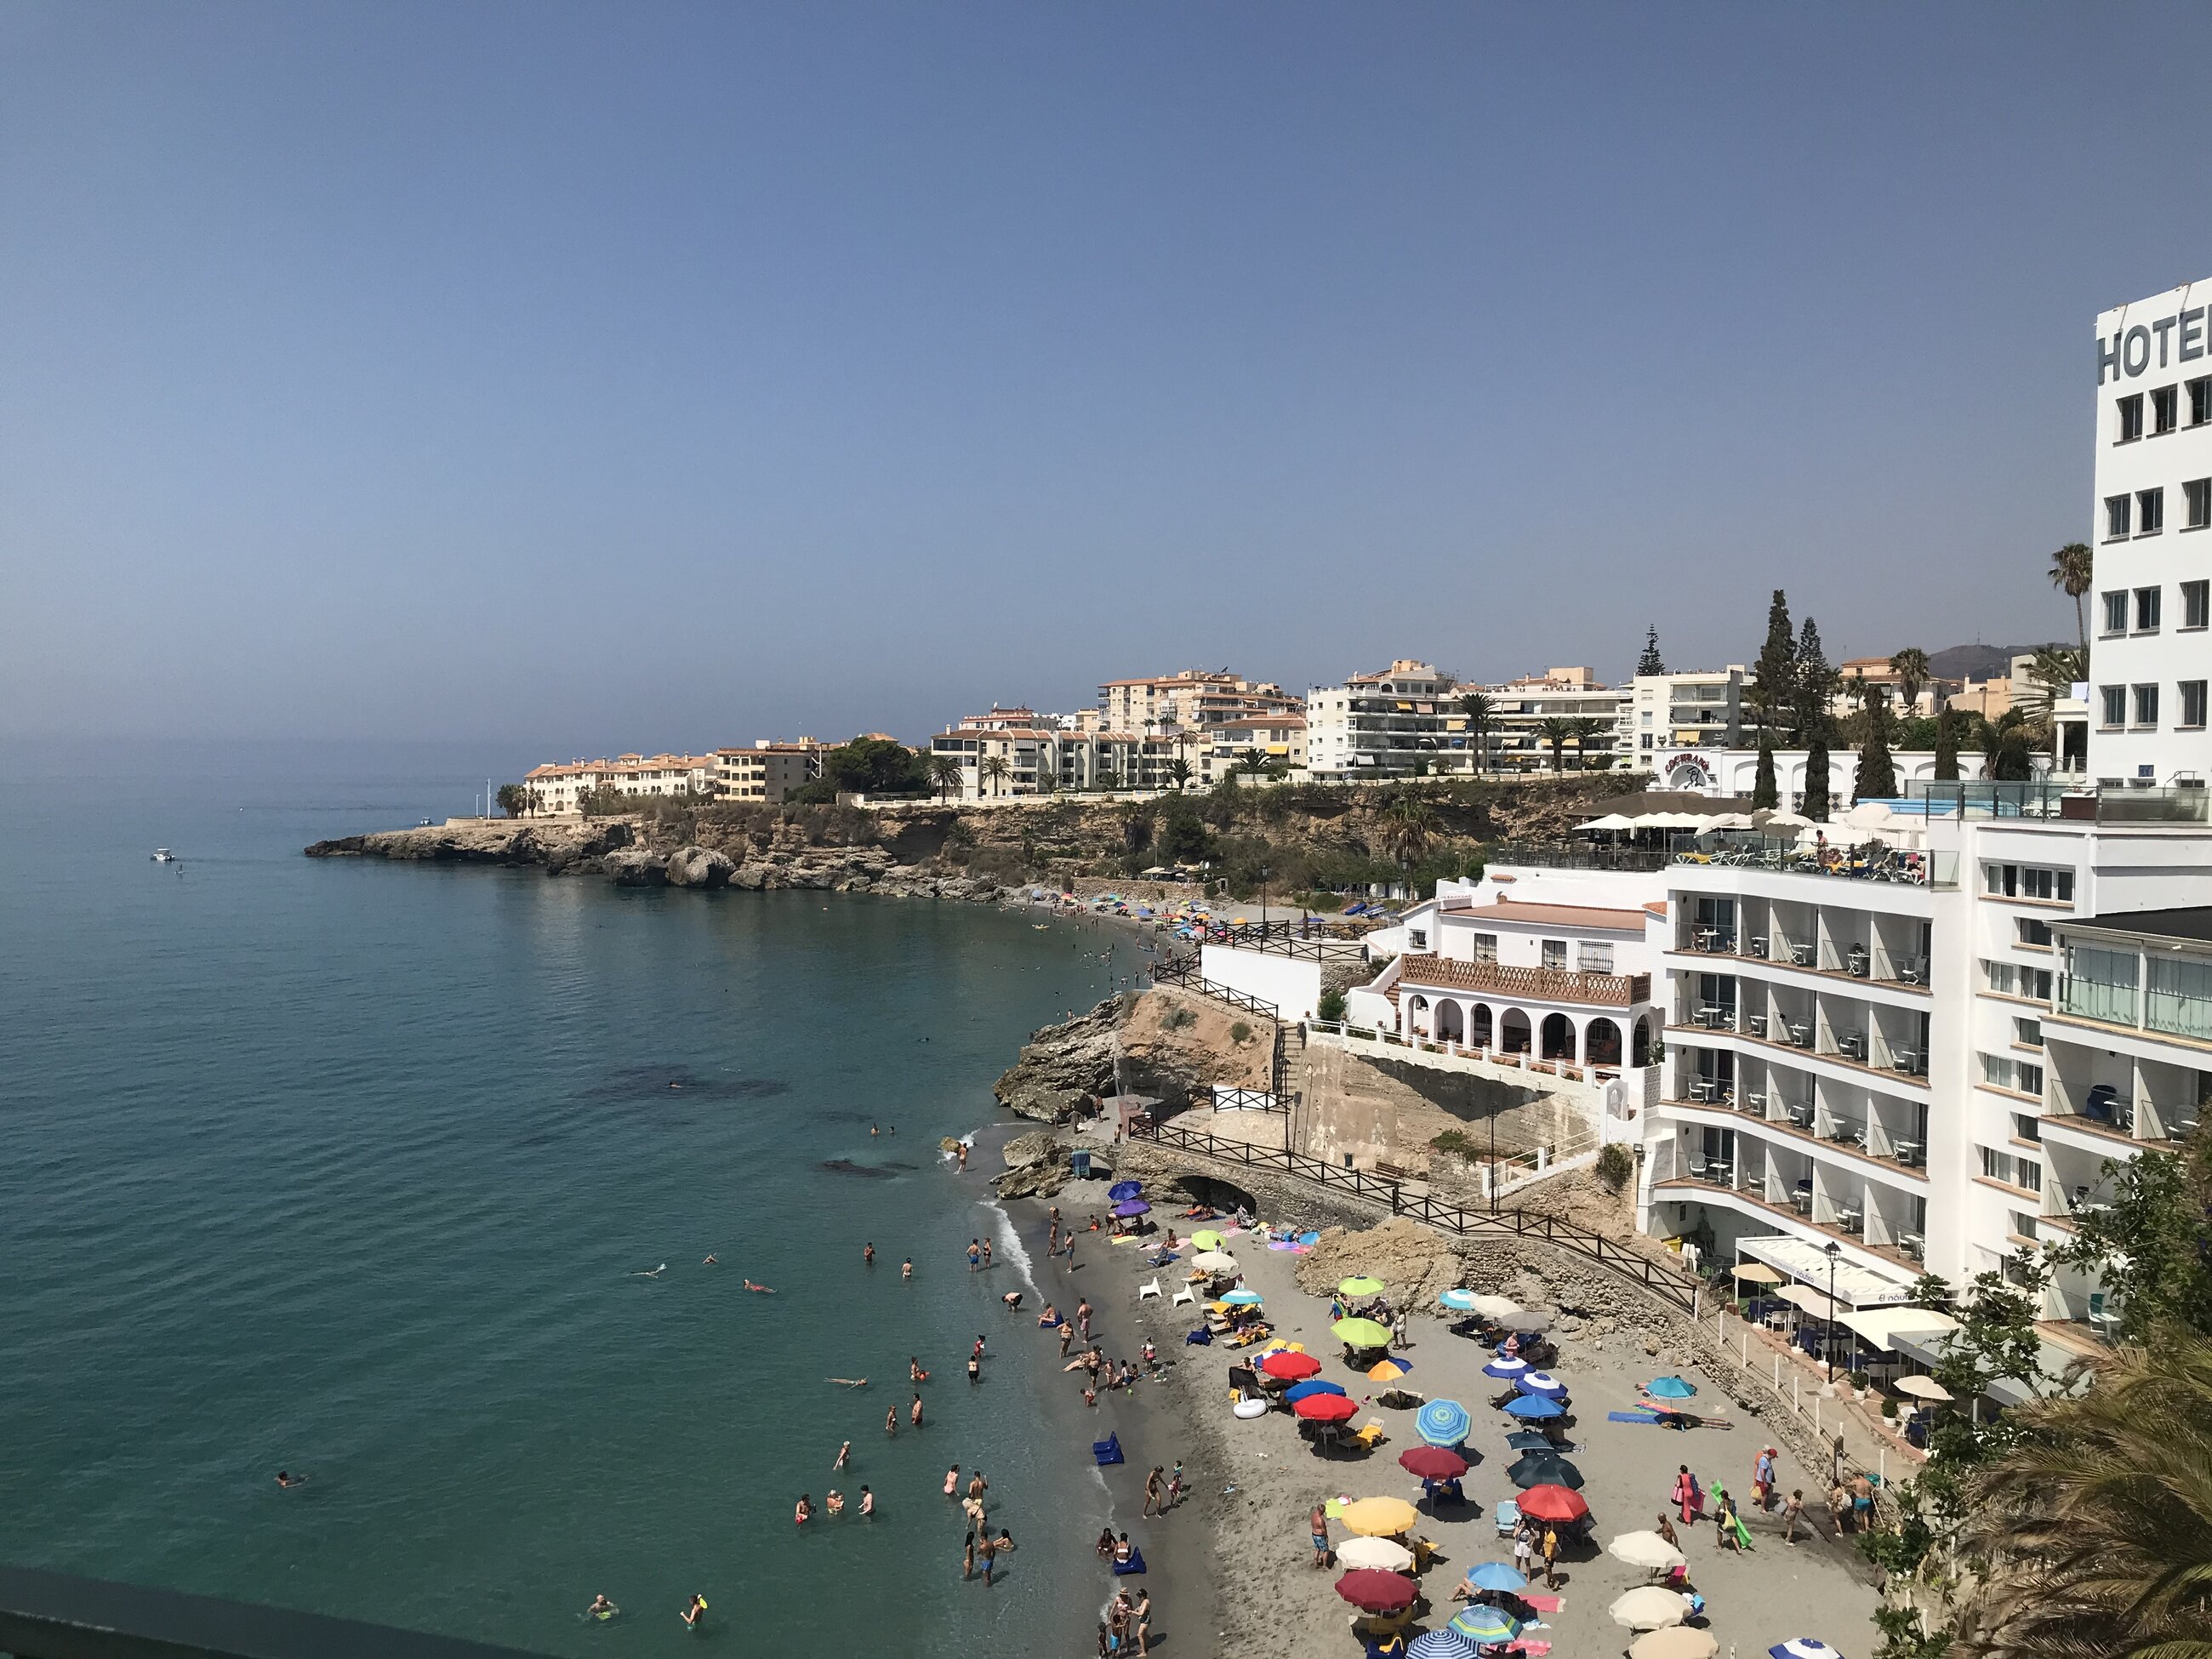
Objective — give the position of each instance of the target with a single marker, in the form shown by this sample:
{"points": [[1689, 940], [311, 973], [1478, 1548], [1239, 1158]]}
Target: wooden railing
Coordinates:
{"points": [[1668, 1285]]}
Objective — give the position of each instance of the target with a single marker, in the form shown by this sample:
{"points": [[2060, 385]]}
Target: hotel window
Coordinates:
{"points": [[2026, 930], [2150, 512], [2116, 517], [2002, 978], [1592, 957], [2026, 1128], [2146, 703], [2021, 1224], [2035, 984], [2198, 494], [2101, 984], [1996, 1165], [2147, 608], [2192, 702], [2196, 603], [2113, 701], [2027, 1033], [2165, 406], [2116, 610], [2179, 998], [2131, 418], [2200, 402], [1555, 953], [1486, 947]]}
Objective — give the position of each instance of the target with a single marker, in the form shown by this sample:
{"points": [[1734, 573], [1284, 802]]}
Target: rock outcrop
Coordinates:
{"points": [[698, 866], [1062, 1065], [634, 867], [1038, 1164], [1170, 1045]]}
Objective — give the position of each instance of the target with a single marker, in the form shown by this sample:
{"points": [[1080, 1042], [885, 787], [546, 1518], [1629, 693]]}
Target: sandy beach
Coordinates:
{"points": [[1232, 1570]]}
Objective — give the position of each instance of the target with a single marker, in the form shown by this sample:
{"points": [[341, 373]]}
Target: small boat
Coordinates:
{"points": [[163, 855]]}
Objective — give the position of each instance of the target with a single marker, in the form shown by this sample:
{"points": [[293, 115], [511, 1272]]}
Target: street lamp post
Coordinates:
{"points": [[1835, 1252]]}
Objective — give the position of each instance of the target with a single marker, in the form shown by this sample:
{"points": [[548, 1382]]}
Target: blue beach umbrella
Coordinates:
{"points": [[1542, 1384], [1496, 1576], [1242, 1298], [1299, 1391], [1524, 1440], [1505, 1368], [1485, 1625], [1122, 1189], [1671, 1388], [1445, 1643], [1459, 1300], [1443, 1423], [1803, 1646], [1534, 1408]]}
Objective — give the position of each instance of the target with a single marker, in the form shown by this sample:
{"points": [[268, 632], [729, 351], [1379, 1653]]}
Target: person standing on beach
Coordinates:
{"points": [[1083, 1317], [1524, 1552], [1066, 1338], [1319, 1520], [986, 1255], [974, 1255], [1762, 1479], [1155, 1490], [1665, 1530], [1551, 1558], [1175, 1486], [1686, 1494], [1792, 1512], [1141, 1617]]}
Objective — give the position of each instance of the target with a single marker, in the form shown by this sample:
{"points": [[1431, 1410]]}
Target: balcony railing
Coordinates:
{"points": [[1868, 861], [1536, 984], [1576, 855], [2052, 798], [50, 1615]]}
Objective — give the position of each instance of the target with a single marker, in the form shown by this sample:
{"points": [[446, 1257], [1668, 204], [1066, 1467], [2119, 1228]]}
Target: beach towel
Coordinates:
{"points": [[1649, 1419], [1546, 1603], [1536, 1649]]}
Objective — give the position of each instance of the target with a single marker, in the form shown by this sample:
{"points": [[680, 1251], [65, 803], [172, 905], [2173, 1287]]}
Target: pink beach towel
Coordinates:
{"points": [[1546, 1603]]}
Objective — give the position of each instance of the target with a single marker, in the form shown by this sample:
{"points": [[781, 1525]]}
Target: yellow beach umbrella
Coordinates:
{"points": [[1390, 1370], [1677, 1642], [1379, 1517], [1207, 1240]]}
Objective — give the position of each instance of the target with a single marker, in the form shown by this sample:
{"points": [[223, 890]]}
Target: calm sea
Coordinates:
{"points": [[351, 1168]]}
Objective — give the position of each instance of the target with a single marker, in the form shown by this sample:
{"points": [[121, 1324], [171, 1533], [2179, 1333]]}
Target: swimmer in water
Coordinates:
{"points": [[709, 1262], [654, 1272], [868, 1254], [285, 1477], [601, 1608], [843, 1452], [852, 1381], [906, 1268], [762, 1289], [695, 1615]]}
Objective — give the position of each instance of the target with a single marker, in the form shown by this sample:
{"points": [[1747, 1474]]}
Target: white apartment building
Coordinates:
{"points": [[1670, 714], [1014, 752], [1522, 712], [1407, 718], [1280, 739], [767, 772], [1192, 698], [2151, 653], [560, 785]]}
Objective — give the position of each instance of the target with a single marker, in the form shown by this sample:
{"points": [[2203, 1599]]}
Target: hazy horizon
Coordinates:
{"points": [[569, 380]]}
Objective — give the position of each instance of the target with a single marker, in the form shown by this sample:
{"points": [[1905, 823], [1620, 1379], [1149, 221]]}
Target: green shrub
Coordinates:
{"points": [[1177, 1019], [1615, 1166], [1888, 1406], [1861, 1380], [1240, 1032], [1331, 1006]]}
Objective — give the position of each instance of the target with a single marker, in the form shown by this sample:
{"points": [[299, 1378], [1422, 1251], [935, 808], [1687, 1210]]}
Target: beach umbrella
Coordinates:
{"points": [[1675, 1642], [1291, 1367], [1359, 1284], [1647, 1550], [1214, 1261], [1361, 1333], [1757, 1272], [1503, 1369], [1534, 1408], [1529, 1440], [1543, 1468], [1528, 1324], [1129, 1207], [1327, 1408], [1494, 1307], [1445, 1643], [1542, 1384], [1670, 1387], [1388, 1370], [1443, 1423], [1922, 1387], [1378, 1592], [1652, 1608], [1432, 1463], [1552, 1503], [1243, 1298], [1458, 1301], [1313, 1386], [1122, 1189], [1379, 1517], [1485, 1625], [1377, 1554], [1803, 1646], [1206, 1239], [1496, 1576]]}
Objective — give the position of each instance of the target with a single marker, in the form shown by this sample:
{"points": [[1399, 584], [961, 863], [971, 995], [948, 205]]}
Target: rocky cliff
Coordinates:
{"points": [[1170, 1044]]}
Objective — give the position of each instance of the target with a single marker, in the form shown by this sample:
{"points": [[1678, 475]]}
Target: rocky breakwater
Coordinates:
{"points": [[1169, 1045], [627, 852]]}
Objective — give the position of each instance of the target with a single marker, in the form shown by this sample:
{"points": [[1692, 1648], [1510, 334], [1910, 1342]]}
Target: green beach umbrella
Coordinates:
{"points": [[1359, 1284], [1208, 1240], [1361, 1333]]}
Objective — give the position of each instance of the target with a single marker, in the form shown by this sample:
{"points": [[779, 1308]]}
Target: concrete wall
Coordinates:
{"points": [[1291, 983]]}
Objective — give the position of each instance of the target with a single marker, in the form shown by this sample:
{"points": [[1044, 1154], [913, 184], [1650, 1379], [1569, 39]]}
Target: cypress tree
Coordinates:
{"points": [[1814, 803], [1946, 748], [1774, 676], [1649, 662], [1763, 790], [1877, 774], [1816, 682]]}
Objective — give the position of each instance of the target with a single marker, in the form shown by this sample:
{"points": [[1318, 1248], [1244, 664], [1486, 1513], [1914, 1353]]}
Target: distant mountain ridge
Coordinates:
{"points": [[1977, 662]]}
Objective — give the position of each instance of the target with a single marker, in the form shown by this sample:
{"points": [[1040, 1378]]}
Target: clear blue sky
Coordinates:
{"points": [[598, 376]]}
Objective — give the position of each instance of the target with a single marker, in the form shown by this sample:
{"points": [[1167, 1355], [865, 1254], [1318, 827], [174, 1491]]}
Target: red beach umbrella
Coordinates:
{"points": [[1378, 1592], [1552, 1503], [1327, 1408], [1432, 1463], [1291, 1367]]}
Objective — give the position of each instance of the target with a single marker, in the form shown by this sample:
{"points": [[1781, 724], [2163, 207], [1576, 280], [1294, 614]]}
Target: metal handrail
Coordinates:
{"points": [[1670, 1285]]}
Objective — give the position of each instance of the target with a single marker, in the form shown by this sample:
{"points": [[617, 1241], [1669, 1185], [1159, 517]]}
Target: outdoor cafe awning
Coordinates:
{"points": [[1814, 1302], [1857, 1286], [1883, 1326]]}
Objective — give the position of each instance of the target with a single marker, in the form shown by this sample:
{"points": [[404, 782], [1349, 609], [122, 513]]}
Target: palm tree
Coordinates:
{"points": [[1556, 731], [2092, 1535], [1179, 770], [945, 774], [1585, 727], [1481, 714], [1409, 824], [2073, 568], [1910, 667], [1252, 763], [993, 771], [2053, 674]]}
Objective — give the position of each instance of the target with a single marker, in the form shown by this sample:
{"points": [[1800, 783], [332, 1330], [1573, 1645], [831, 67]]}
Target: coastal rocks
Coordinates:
{"points": [[634, 867], [1169, 1046], [556, 847], [698, 866], [1415, 1264], [582, 854], [1061, 1064], [1035, 1148], [1038, 1164]]}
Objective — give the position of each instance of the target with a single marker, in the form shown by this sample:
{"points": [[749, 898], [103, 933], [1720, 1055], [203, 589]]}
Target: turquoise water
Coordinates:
{"points": [[348, 1167]]}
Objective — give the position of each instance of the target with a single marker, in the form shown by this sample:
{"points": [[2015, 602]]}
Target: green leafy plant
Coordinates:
{"points": [[1240, 1032], [1614, 1166], [1330, 1007]]}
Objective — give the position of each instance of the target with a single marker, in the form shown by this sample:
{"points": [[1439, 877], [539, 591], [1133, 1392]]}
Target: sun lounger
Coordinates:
{"points": [[1371, 1436], [1108, 1450], [1185, 1295], [1508, 1516], [1152, 1288]]}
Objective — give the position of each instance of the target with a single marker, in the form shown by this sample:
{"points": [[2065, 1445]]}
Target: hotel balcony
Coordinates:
{"points": [[1838, 1118], [1808, 939], [1840, 1032], [1815, 1198]]}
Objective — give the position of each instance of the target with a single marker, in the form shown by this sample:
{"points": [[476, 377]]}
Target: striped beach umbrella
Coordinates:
{"points": [[1458, 1301], [1443, 1423], [1243, 1298], [1445, 1643], [1505, 1369], [1542, 1384], [1803, 1646], [1485, 1625]]}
